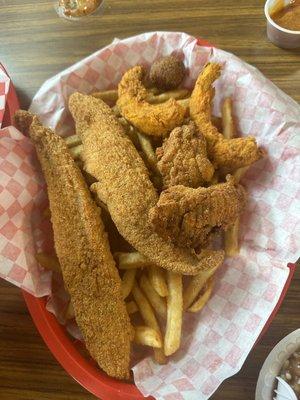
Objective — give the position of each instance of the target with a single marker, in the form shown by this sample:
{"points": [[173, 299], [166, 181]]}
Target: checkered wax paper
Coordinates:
{"points": [[215, 342], [4, 87]]}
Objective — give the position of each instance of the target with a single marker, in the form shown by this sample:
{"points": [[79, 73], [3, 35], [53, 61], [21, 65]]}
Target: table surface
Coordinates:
{"points": [[35, 44]]}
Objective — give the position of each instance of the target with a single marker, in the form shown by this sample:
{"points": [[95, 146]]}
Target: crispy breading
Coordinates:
{"points": [[167, 72], [182, 159], [123, 183], [230, 154], [187, 216], [81, 244], [152, 119]]}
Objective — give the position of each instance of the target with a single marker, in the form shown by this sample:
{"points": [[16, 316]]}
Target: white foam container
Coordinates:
{"points": [[271, 368], [281, 37]]}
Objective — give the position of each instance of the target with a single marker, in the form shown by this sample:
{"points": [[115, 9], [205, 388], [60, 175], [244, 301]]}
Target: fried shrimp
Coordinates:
{"points": [[151, 119], [229, 154]]}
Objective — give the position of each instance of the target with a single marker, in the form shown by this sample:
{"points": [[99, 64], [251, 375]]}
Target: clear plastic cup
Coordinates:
{"points": [[281, 37], [76, 10]]}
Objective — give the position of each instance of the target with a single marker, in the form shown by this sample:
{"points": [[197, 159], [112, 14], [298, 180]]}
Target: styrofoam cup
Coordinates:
{"points": [[272, 366], [281, 37]]}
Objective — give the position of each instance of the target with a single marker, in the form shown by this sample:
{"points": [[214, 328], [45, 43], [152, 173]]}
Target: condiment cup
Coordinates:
{"points": [[281, 37]]}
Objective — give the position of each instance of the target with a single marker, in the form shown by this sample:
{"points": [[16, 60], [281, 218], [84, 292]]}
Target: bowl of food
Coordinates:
{"points": [[282, 363], [137, 206], [283, 23]]}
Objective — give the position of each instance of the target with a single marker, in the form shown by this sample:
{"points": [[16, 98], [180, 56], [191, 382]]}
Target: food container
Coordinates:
{"points": [[267, 382], [67, 350], [281, 37], [268, 283]]}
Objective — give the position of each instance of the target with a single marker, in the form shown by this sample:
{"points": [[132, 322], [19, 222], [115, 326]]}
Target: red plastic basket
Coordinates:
{"points": [[64, 348]]}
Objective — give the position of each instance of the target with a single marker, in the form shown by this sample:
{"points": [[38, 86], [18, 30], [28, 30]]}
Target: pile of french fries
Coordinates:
{"points": [[157, 295]]}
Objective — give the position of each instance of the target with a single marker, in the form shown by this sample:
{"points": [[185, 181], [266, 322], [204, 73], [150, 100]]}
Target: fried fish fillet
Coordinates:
{"points": [[182, 159], [228, 154], [187, 216], [82, 247], [123, 183], [152, 119]]}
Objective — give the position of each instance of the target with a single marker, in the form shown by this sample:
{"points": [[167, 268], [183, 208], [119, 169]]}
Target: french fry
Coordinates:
{"points": [[48, 262], [111, 96], [171, 94], [174, 313], [156, 277], [73, 140], [132, 134], [128, 282], [147, 337], [116, 111], [131, 260], [196, 284], [231, 239], [149, 318], [231, 236], [184, 102], [159, 356], [239, 173], [203, 299], [108, 96], [153, 90], [157, 302], [147, 148], [123, 121], [70, 314], [131, 307], [145, 308], [227, 120], [76, 151]]}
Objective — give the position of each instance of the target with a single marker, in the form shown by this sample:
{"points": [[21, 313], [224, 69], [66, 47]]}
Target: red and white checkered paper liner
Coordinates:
{"points": [[4, 87], [215, 342]]}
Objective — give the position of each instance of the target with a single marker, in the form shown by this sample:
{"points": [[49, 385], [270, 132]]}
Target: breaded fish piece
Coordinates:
{"points": [[182, 159], [152, 119], [229, 154], [123, 183], [81, 244], [187, 216]]}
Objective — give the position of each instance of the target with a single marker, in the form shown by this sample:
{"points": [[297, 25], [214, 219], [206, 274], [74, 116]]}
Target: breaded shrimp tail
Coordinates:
{"points": [[123, 183], [152, 119], [82, 247], [229, 154]]}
